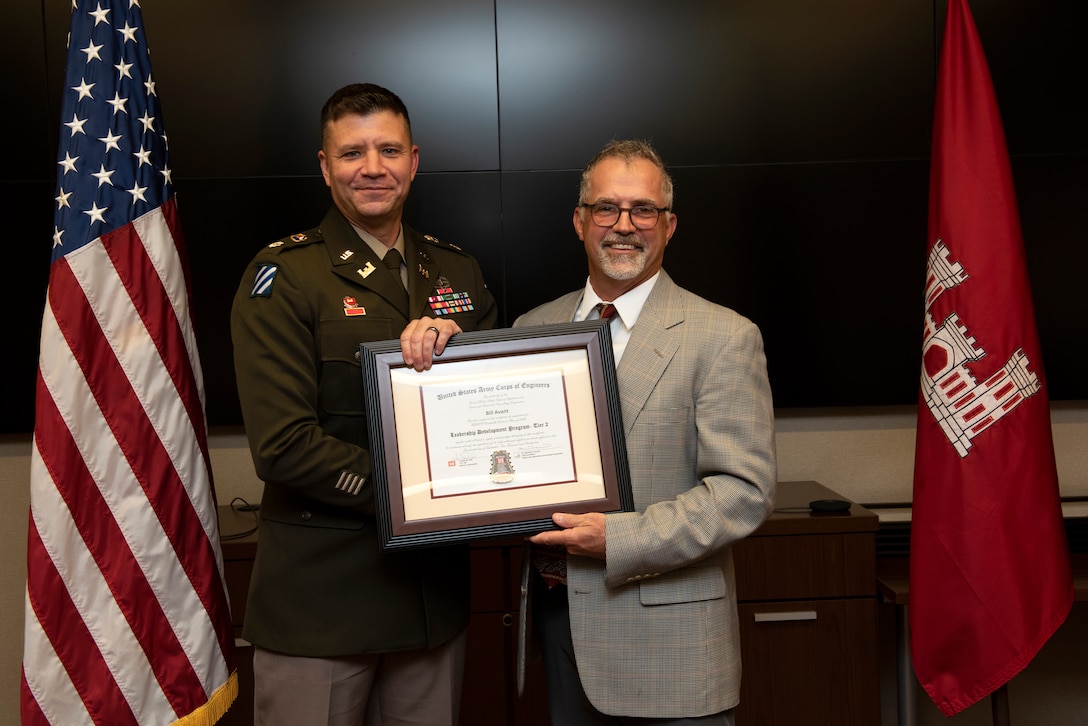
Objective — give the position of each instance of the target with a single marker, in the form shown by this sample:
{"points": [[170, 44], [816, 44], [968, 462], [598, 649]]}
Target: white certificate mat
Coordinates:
{"points": [[521, 434]]}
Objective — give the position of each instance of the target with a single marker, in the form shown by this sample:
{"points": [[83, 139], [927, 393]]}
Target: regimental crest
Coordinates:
{"points": [[502, 469], [352, 308], [962, 405]]}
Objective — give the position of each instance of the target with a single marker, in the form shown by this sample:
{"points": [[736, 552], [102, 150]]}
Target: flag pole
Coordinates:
{"points": [[999, 706]]}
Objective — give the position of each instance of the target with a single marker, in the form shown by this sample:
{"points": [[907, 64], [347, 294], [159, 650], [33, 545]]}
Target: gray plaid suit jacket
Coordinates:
{"points": [[654, 625]]}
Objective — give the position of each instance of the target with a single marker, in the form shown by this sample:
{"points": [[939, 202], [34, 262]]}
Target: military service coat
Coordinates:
{"points": [[320, 585]]}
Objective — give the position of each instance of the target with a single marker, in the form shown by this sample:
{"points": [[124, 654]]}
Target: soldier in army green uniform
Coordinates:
{"points": [[341, 628]]}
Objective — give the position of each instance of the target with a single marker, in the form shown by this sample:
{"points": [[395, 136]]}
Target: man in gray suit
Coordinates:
{"points": [[643, 628]]}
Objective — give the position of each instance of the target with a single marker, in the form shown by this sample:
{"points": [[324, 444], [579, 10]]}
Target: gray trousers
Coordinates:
{"points": [[567, 701]]}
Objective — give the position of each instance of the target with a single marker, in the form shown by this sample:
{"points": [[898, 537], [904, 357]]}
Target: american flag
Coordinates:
{"points": [[126, 618]]}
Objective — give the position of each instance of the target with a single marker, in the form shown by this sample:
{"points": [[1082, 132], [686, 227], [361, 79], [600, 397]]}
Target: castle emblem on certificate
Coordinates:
{"points": [[502, 471]]}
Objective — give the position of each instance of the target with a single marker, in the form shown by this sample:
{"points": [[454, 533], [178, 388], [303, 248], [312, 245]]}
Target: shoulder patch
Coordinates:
{"points": [[262, 281]]}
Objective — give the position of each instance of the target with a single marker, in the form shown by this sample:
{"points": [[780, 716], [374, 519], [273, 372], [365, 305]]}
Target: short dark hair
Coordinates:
{"points": [[362, 99], [629, 150]]}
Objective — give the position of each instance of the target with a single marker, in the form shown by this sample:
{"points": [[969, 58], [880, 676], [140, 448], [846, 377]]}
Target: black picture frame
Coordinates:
{"points": [[567, 369]]}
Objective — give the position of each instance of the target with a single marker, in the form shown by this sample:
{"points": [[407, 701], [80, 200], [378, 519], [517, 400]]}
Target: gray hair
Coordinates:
{"points": [[629, 150]]}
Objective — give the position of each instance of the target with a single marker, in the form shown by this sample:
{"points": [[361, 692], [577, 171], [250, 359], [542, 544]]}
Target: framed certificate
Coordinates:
{"points": [[507, 427]]}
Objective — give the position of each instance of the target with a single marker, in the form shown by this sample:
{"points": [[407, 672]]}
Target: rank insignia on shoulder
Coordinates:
{"points": [[436, 241], [352, 308], [262, 283], [446, 302], [277, 243]]}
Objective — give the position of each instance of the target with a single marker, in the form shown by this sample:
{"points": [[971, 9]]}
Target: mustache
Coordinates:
{"points": [[626, 239]]}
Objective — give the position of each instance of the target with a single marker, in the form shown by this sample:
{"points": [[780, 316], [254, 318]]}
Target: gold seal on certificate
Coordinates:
{"points": [[502, 471]]}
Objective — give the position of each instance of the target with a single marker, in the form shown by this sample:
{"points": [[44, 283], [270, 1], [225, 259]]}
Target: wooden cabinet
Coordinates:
{"points": [[806, 587], [490, 696]]}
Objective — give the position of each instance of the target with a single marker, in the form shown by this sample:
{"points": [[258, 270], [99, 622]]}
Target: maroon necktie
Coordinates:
{"points": [[606, 310]]}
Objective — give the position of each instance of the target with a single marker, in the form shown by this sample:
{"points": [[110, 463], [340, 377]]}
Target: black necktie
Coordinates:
{"points": [[392, 262]]}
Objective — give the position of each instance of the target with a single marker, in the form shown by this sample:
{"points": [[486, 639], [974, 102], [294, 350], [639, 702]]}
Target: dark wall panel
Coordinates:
{"points": [[1038, 60], [757, 81], [826, 258], [31, 152], [797, 130], [243, 81], [28, 173], [544, 255], [1052, 192]]}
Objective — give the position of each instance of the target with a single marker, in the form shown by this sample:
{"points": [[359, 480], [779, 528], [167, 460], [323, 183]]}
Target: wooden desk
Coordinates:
{"points": [[806, 588]]}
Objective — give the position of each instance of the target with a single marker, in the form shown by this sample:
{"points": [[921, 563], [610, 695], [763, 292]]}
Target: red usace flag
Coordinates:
{"points": [[989, 565], [126, 612]]}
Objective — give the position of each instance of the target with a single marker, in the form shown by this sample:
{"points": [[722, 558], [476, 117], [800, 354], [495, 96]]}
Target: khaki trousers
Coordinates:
{"points": [[406, 688]]}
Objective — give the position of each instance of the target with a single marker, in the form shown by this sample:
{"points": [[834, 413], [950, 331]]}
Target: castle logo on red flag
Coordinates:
{"points": [[963, 406]]}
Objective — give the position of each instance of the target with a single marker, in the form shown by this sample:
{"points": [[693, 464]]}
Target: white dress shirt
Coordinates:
{"points": [[628, 306]]}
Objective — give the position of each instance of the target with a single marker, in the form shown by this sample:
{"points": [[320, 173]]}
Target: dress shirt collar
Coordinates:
{"points": [[628, 305], [377, 247]]}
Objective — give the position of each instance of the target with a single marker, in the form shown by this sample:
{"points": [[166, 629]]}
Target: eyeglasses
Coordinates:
{"points": [[642, 217]]}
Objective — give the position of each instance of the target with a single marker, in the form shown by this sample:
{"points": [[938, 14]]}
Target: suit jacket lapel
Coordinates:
{"points": [[650, 349], [562, 309]]}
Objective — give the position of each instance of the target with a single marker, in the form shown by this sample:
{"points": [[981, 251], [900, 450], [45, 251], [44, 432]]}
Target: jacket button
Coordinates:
{"points": [[358, 357], [306, 516]]}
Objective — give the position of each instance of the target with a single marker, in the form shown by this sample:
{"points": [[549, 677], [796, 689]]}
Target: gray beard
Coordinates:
{"points": [[621, 269]]}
